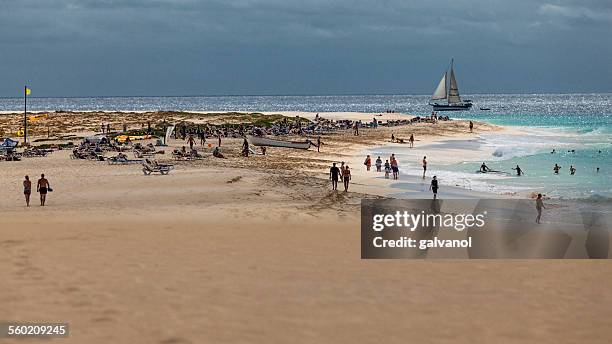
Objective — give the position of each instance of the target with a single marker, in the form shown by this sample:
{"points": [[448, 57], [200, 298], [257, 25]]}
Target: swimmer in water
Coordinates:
{"points": [[518, 170], [556, 169], [572, 170], [484, 168]]}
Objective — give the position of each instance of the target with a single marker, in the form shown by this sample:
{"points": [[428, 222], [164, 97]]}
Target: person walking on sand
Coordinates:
{"points": [[27, 189], [387, 169], [434, 187], [368, 162], [319, 143], [356, 129], [42, 187], [219, 136], [341, 167], [334, 173], [424, 166], [471, 127], [539, 207], [346, 177], [411, 140], [556, 169], [191, 141], [378, 164], [245, 148]]}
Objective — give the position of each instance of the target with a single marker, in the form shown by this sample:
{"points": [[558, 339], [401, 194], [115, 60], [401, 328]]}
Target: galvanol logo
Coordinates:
{"points": [[411, 222]]}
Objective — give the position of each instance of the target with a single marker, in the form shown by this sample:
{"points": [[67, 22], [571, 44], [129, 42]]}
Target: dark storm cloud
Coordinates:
{"points": [[70, 47]]}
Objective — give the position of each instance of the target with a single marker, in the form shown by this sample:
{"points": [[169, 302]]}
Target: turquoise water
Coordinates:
{"points": [[582, 123]]}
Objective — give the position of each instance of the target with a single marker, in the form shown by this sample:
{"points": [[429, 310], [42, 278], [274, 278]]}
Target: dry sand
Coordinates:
{"points": [[260, 251]]}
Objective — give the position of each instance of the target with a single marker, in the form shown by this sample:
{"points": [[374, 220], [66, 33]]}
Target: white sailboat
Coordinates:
{"points": [[446, 97]]}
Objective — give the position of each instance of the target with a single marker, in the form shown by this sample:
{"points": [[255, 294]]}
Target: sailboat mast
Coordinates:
{"points": [[447, 85]]}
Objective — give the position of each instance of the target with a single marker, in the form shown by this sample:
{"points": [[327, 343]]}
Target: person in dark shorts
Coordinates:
{"points": [[424, 166], [27, 189], [471, 126], [334, 173], [42, 187], [434, 187]]}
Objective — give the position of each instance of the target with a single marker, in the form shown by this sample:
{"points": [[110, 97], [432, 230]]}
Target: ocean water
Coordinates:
{"points": [[582, 122]]}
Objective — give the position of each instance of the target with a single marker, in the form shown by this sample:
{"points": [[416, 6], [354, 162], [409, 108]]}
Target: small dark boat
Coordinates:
{"points": [[485, 108]]}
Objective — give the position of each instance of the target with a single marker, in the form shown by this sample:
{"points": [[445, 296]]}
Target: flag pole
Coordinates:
{"points": [[25, 115]]}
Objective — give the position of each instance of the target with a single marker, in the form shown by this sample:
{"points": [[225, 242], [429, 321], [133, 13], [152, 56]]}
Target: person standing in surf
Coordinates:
{"points": [[434, 187], [424, 166], [539, 207]]}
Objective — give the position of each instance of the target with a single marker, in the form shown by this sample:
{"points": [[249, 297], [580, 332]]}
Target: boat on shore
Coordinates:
{"points": [[264, 141], [446, 96]]}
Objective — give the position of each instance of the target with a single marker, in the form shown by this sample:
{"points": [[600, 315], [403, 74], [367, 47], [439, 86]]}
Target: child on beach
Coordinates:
{"points": [[378, 164], [387, 169]]}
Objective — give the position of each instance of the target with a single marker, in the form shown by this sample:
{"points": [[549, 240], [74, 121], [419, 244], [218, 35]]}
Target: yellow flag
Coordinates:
{"points": [[28, 91]]}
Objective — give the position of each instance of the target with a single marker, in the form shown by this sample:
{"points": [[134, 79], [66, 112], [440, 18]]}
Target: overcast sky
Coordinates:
{"points": [[226, 47]]}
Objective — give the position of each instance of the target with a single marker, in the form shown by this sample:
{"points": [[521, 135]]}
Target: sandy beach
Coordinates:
{"points": [[260, 249]]}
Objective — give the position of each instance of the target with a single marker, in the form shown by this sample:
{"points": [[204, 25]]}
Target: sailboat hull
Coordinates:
{"points": [[451, 107]]}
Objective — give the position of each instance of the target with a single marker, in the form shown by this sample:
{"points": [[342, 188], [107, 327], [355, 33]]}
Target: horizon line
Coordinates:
{"points": [[293, 95]]}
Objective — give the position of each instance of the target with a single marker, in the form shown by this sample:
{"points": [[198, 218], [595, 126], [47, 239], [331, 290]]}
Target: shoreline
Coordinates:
{"points": [[429, 143]]}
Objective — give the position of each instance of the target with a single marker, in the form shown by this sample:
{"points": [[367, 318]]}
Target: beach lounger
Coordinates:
{"points": [[149, 167], [122, 159]]}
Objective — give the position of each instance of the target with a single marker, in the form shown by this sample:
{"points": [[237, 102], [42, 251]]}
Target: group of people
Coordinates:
{"points": [[398, 140], [336, 172], [42, 187], [391, 166], [572, 169]]}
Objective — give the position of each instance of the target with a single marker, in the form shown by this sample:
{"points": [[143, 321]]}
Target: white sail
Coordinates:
{"points": [[440, 92], [453, 91]]}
